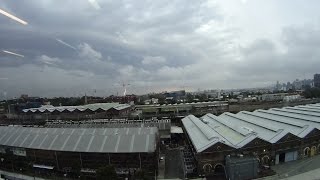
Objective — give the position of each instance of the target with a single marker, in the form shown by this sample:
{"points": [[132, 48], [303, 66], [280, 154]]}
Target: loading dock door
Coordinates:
{"points": [[313, 151], [286, 157], [295, 155], [291, 156]]}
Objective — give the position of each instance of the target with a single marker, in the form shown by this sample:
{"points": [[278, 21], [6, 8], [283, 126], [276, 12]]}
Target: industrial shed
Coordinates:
{"points": [[79, 151], [183, 109], [89, 111], [272, 136]]}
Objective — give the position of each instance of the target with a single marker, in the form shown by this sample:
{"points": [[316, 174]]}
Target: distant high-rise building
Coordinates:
{"points": [[278, 86], [316, 80]]}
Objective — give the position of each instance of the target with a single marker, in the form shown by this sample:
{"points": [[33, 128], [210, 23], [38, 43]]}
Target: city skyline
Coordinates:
{"points": [[296, 83], [284, 87]]}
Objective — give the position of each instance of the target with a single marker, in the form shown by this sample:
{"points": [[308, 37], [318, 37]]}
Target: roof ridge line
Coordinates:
{"points": [[265, 126], [234, 128], [303, 109], [223, 138], [251, 114], [281, 110], [247, 137], [281, 131], [205, 133]]}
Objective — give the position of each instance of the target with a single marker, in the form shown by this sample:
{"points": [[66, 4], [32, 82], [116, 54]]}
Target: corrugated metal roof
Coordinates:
{"points": [[237, 130], [91, 107], [201, 136], [292, 116], [297, 128], [100, 140], [316, 109], [176, 130], [228, 131], [266, 132], [122, 106]]}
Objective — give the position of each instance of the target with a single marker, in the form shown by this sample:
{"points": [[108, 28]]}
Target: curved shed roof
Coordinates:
{"points": [[98, 140], [88, 107]]}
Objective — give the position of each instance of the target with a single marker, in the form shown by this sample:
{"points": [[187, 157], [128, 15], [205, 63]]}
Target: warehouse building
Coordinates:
{"points": [[78, 152], [271, 136], [89, 111], [163, 125], [183, 109]]}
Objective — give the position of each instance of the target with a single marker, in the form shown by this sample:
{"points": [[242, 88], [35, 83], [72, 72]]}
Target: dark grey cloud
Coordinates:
{"points": [[153, 45], [263, 62]]}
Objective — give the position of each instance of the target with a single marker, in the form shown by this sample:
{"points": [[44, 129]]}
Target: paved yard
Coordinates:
{"points": [[312, 175], [173, 162], [161, 170], [295, 167]]}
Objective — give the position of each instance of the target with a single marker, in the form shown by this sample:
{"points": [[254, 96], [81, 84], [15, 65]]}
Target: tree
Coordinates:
{"points": [[106, 173], [203, 97], [259, 93], [312, 93], [140, 175], [162, 101], [189, 97], [161, 98]]}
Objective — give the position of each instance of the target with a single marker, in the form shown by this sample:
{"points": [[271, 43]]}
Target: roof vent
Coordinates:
{"points": [[204, 120], [248, 129]]}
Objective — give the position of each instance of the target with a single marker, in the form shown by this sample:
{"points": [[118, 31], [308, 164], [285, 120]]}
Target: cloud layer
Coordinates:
{"points": [[154, 45]]}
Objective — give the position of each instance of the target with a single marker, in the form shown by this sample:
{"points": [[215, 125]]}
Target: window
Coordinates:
{"points": [[207, 168], [306, 151]]}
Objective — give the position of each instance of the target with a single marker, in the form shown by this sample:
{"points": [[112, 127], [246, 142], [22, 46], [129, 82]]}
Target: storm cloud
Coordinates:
{"points": [[155, 45]]}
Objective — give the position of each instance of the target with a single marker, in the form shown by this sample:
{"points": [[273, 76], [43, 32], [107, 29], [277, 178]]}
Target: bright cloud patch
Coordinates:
{"points": [[48, 60], [86, 51], [150, 60]]}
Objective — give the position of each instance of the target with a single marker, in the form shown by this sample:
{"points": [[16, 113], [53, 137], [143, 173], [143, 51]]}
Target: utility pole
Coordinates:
{"points": [[85, 99]]}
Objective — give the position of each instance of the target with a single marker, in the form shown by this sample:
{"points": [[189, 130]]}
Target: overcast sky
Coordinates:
{"points": [[93, 46]]}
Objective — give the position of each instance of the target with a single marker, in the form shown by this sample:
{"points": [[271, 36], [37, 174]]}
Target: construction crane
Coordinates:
{"points": [[124, 86]]}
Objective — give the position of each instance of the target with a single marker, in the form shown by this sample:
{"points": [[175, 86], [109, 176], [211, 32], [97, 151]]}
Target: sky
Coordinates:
{"points": [[95, 46]]}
